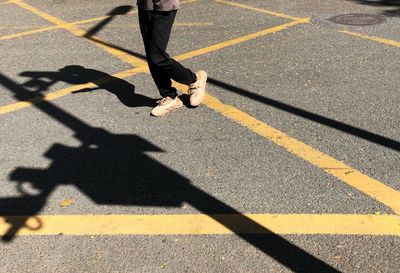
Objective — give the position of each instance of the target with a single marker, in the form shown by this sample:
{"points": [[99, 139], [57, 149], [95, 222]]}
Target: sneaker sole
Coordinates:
{"points": [[179, 105], [200, 100]]}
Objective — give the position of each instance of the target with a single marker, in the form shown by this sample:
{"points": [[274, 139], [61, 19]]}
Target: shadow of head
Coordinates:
{"points": [[40, 81], [121, 10]]}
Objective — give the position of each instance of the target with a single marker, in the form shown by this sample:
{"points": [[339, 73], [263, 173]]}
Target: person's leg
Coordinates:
{"points": [[162, 82], [156, 28], [156, 37]]}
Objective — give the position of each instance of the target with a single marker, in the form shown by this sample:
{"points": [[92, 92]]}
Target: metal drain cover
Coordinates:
{"points": [[357, 19]]}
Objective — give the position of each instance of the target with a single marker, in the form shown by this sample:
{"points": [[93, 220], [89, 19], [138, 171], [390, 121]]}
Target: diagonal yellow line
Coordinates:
{"points": [[81, 22], [195, 224], [238, 40], [29, 32], [372, 38], [277, 14]]}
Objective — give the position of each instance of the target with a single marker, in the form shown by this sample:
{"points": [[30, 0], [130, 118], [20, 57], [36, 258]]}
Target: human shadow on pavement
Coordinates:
{"points": [[395, 4], [113, 169], [40, 81], [351, 130]]}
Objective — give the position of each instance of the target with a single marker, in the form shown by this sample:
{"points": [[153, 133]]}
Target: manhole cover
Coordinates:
{"points": [[357, 19]]}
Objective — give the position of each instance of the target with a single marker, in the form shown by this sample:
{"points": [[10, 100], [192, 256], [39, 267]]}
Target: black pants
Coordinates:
{"points": [[155, 27]]}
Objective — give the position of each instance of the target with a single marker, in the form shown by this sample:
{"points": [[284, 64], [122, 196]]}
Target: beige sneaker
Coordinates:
{"points": [[197, 90], [166, 105]]}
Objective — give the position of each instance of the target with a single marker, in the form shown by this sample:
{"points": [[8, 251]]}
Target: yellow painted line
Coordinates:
{"points": [[194, 24], [352, 177], [17, 27], [8, 2], [29, 32], [96, 19], [277, 14], [81, 22], [195, 224], [44, 29], [372, 38], [176, 24], [78, 32], [143, 68], [222, 45]]}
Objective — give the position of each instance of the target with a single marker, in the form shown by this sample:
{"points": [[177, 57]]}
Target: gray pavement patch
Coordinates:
{"points": [[194, 254], [306, 67]]}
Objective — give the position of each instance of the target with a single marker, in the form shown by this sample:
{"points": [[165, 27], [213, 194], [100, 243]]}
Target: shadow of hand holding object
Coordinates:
{"points": [[110, 169], [74, 74]]}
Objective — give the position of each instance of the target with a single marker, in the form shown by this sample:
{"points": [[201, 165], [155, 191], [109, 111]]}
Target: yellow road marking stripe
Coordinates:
{"points": [[96, 19], [282, 15], [81, 22], [44, 29], [143, 68], [193, 224], [29, 32], [194, 24], [237, 40], [338, 169], [19, 27], [372, 38], [8, 2]]}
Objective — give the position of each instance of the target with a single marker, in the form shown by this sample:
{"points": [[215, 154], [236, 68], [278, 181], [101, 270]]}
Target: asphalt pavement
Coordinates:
{"points": [[291, 164]]}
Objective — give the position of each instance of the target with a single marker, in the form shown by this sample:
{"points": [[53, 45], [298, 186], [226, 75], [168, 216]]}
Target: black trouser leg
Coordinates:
{"points": [[155, 27]]}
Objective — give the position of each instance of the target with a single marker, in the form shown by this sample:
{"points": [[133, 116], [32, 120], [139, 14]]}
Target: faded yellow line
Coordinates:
{"points": [[80, 33], [352, 177], [29, 32], [176, 24], [18, 27], [238, 40], [277, 14], [195, 224], [23, 104], [8, 2], [194, 24], [81, 22], [96, 19], [44, 29], [372, 38]]}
